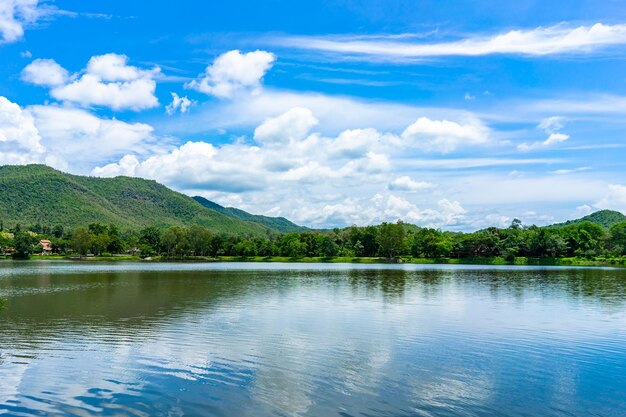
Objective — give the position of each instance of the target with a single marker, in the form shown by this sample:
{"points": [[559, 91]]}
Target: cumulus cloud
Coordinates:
{"points": [[181, 104], [199, 165], [107, 81], [286, 150], [302, 157], [114, 67], [540, 41], [445, 136], [377, 209], [292, 174], [77, 135], [20, 141], [292, 125], [355, 143], [233, 72], [45, 72], [406, 183]]}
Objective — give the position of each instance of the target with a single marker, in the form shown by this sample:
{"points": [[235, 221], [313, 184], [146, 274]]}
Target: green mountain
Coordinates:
{"points": [[277, 223], [39, 194], [604, 218]]}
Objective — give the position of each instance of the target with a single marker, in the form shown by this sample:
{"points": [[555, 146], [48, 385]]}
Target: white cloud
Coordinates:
{"points": [[20, 141], [233, 72], [552, 126], [198, 165], [14, 15], [45, 72], [380, 208], [295, 175], [114, 67], [582, 211], [301, 158], [445, 136], [553, 139], [335, 113], [127, 166], [355, 143], [569, 170], [107, 81], [406, 183], [77, 136], [328, 180], [181, 104], [292, 125], [540, 41], [615, 198]]}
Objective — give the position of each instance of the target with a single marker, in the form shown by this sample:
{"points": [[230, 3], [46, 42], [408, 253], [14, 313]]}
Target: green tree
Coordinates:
{"points": [[290, 245], [245, 248], [391, 238], [99, 243], [200, 240], [57, 231], [97, 228], [24, 243], [618, 238], [175, 241], [81, 241], [115, 244], [150, 237]]}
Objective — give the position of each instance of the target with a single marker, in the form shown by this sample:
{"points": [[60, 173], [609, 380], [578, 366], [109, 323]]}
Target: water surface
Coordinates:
{"points": [[311, 340]]}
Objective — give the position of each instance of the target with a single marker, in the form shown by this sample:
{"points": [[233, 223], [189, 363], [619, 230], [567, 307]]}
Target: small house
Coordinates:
{"points": [[46, 247]]}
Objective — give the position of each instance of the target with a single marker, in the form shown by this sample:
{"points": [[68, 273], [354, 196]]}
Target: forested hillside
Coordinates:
{"points": [[604, 218], [37, 194], [277, 223]]}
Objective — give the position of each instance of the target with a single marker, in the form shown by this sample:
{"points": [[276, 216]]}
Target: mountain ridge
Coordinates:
{"points": [[31, 194], [604, 218], [278, 223]]}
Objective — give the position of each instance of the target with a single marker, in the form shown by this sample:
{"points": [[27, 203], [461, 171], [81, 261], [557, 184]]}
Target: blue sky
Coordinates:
{"points": [[451, 114]]}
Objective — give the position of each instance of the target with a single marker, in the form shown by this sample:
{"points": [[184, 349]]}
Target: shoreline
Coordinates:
{"points": [[520, 261]]}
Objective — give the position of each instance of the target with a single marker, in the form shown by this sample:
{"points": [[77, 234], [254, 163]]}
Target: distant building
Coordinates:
{"points": [[46, 247]]}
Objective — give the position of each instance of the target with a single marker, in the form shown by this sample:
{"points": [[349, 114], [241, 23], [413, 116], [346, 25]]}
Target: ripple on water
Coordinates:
{"points": [[259, 340]]}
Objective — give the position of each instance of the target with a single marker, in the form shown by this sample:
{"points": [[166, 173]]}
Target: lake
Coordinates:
{"points": [[174, 339]]}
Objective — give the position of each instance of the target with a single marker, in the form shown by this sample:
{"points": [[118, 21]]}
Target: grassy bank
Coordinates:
{"points": [[576, 261]]}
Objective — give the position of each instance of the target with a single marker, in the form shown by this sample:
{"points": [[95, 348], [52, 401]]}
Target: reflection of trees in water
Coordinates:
{"points": [[607, 287], [390, 283], [140, 300], [47, 304]]}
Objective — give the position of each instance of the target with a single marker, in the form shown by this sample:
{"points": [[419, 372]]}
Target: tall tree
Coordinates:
{"points": [[81, 241], [391, 238]]}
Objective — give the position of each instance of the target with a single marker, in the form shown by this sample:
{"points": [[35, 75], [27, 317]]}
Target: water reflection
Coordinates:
{"points": [[328, 341]]}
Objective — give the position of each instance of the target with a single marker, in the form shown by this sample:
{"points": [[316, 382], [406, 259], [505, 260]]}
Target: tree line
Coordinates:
{"points": [[388, 240]]}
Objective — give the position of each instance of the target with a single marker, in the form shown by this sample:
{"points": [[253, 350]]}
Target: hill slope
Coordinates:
{"points": [[39, 194], [277, 223], [604, 218]]}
